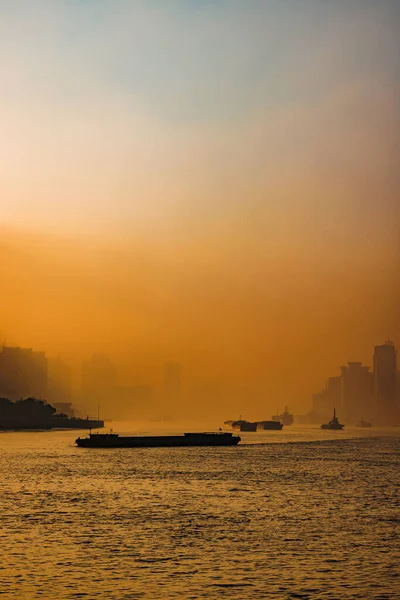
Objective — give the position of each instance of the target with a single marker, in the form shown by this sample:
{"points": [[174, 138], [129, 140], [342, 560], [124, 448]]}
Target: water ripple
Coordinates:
{"points": [[309, 520]]}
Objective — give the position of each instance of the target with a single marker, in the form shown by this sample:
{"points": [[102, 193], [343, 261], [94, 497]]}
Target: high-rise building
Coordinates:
{"points": [[385, 382], [23, 373], [356, 392], [59, 381], [325, 401]]}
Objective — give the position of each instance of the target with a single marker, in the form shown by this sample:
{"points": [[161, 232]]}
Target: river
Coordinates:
{"points": [[297, 514]]}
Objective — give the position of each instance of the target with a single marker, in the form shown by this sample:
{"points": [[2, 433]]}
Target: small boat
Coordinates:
{"points": [[363, 423], [113, 440], [333, 424]]}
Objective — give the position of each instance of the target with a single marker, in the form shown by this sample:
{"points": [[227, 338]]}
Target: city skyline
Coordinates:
{"points": [[357, 393], [360, 393], [169, 192], [200, 299]]}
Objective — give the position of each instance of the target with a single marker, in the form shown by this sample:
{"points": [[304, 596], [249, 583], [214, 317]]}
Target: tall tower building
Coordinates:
{"points": [[59, 380], [23, 373], [356, 392], [385, 375], [329, 398]]}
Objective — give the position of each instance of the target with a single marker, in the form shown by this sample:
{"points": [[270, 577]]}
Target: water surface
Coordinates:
{"points": [[300, 513]]}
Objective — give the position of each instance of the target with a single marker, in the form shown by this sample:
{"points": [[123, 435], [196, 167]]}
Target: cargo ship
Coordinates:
{"points": [[286, 418], [269, 425], [242, 425], [114, 440]]}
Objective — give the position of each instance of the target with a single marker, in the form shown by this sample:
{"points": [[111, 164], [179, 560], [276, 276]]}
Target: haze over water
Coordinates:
{"points": [[212, 186], [213, 183]]}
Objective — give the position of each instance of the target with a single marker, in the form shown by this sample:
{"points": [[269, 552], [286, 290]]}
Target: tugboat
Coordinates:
{"points": [[334, 424], [286, 418]]}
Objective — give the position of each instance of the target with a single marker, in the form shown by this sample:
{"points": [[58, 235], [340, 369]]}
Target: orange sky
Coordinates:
{"points": [[210, 194]]}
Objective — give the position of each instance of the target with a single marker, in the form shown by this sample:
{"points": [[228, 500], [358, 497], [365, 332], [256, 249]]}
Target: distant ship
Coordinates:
{"points": [[286, 418], [242, 425], [265, 425], [363, 423], [334, 424], [113, 440]]}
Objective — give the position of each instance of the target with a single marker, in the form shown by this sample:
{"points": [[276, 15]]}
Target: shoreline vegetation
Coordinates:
{"points": [[35, 414]]}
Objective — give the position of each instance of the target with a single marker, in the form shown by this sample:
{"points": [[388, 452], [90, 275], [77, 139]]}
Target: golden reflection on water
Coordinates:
{"points": [[317, 519]]}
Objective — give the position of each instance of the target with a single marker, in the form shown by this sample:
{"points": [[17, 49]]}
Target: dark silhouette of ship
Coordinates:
{"points": [[113, 440], [286, 418], [334, 423], [266, 425], [242, 425]]}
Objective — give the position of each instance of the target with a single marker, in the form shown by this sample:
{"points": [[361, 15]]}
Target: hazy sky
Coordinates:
{"points": [[215, 182]]}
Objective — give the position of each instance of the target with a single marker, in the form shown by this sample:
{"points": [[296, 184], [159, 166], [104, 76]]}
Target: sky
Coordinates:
{"points": [[211, 182]]}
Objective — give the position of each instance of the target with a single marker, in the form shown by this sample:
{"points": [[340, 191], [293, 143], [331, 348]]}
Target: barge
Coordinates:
{"points": [[114, 440]]}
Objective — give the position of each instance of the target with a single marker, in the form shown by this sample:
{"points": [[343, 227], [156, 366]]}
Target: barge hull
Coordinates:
{"points": [[166, 441]]}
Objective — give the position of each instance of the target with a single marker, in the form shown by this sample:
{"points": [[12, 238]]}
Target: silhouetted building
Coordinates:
{"points": [[23, 373], [385, 380], [356, 392], [398, 390], [59, 383], [361, 394], [325, 401]]}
